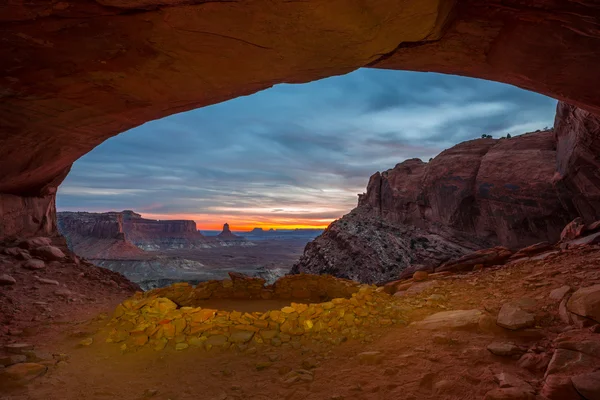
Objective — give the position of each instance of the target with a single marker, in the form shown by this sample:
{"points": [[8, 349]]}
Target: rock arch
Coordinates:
{"points": [[75, 73]]}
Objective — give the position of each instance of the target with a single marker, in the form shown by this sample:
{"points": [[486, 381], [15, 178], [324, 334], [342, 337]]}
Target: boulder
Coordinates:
{"points": [[420, 276], [506, 380], [7, 280], [572, 230], [559, 293], [588, 385], [22, 373], [34, 264], [18, 348], [558, 387], [513, 317], [35, 242], [48, 253], [531, 250], [585, 302], [505, 349], [12, 359], [486, 257], [457, 319]]}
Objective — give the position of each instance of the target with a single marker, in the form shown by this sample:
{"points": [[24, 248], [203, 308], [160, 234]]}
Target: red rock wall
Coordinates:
{"points": [[498, 190], [578, 159], [477, 194], [22, 216]]}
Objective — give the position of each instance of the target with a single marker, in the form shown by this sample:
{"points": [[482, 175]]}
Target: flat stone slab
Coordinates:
{"points": [[513, 317], [586, 302], [457, 319], [559, 293]]}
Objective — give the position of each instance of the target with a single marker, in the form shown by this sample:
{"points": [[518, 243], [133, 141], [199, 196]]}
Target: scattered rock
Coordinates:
{"points": [[505, 349], [36, 242], [34, 264], [417, 288], [37, 356], [181, 346], [239, 336], [47, 281], [370, 357], [588, 385], [506, 380], [18, 348], [6, 280], [298, 376], [86, 342], [585, 302], [420, 276], [22, 373], [559, 293], [12, 359], [49, 253], [263, 365], [309, 363], [573, 229], [66, 293], [512, 317], [457, 319]]}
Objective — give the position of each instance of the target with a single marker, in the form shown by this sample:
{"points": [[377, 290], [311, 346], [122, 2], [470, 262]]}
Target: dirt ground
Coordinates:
{"points": [[412, 364]]}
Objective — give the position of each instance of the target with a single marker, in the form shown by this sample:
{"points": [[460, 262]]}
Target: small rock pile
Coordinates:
{"points": [[303, 287], [162, 318]]}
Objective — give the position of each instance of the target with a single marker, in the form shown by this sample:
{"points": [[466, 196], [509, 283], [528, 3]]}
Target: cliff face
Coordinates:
{"points": [[481, 193], [153, 235]]}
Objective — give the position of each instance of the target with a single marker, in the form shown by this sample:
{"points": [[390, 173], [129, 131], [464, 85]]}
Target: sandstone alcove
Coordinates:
{"points": [[78, 72]]}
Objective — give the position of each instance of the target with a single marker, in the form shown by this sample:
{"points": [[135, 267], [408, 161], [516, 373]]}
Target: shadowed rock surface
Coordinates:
{"points": [[478, 194]]}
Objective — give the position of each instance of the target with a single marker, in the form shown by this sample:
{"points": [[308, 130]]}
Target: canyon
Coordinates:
{"points": [[511, 192], [155, 253]]}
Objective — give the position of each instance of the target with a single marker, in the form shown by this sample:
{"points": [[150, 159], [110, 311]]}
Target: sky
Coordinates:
{"points": [[293, 156]]}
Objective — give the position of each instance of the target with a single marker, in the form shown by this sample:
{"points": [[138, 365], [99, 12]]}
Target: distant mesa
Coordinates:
{"points": [[226, 234], [257, 230]]}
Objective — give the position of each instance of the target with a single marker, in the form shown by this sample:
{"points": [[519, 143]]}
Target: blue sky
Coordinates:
{"points": [[293, 155]]}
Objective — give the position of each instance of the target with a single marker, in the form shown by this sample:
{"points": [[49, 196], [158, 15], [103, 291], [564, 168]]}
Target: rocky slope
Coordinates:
{"points": [[481, 193]]}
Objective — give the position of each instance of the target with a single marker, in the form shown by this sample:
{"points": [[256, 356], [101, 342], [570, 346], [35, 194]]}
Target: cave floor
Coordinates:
{"points": [[411, 364]]}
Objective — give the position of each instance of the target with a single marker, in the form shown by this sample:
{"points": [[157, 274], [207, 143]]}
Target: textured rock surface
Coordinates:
{"points": [[85, 71], [467, 198]]}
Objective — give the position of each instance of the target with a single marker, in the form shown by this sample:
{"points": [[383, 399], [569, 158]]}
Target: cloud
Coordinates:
{"points": [[294, 154]]}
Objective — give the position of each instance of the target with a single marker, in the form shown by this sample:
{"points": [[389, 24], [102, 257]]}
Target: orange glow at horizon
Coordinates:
{"points": [[244, 223]]}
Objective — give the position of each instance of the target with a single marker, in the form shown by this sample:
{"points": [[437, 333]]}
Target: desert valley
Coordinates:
{"points": [[472, 274]]}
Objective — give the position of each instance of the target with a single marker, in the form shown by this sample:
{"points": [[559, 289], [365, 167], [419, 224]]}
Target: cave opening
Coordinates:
{"points": [[290, 158]]}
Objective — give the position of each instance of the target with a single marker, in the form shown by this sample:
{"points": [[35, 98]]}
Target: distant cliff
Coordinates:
{"points": [[481, 193]]}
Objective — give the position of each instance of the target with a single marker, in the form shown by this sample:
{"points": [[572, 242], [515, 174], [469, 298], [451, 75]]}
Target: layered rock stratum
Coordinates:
{"points": [[139, 247], [481, 193]]}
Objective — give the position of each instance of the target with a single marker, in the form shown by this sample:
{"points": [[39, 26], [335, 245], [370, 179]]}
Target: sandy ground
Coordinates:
{"points": [[414, 364]]}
